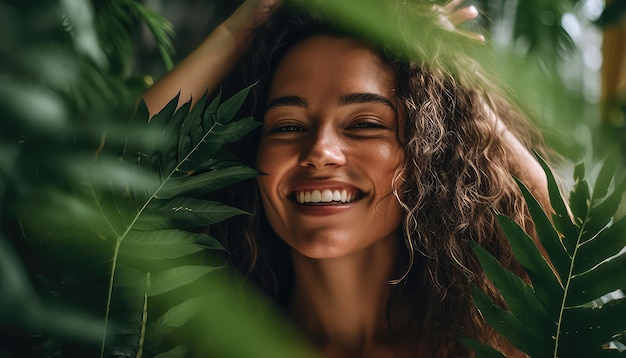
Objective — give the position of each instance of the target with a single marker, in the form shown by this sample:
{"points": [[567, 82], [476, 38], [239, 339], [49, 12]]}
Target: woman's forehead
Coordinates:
{"points": [[332, 64]]}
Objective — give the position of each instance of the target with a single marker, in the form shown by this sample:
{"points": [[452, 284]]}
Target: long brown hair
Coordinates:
{"points": [[455, 178]]}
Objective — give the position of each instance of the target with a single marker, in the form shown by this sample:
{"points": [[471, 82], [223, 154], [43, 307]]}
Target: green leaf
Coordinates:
{"points": [[594, 325], [602, 279], [178, 315], [193, 125], [603, 181], [607, 243], [579, 197], [206, 182], [208, 118], [518, 296], [602, 213], [201, 158], [166, 113], [184, 213], [166, 281], [561, 214], [544, 281], [548, 236], [506, 324], [481, 350], [163, 244], [227, 110], [170, 156]]}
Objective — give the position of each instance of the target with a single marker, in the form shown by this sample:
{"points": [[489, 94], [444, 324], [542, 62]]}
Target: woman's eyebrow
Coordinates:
{"points": [[296, 101], [356, 98]]}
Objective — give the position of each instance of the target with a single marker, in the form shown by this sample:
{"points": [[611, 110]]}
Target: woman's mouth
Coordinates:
{"points": [[325, 196]]}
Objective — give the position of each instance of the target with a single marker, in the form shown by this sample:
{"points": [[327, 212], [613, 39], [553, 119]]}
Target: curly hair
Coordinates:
{"points": [[455, 179]]}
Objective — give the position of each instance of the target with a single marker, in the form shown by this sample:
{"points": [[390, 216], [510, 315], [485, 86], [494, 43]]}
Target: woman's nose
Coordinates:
{"points": [[322, 150]]}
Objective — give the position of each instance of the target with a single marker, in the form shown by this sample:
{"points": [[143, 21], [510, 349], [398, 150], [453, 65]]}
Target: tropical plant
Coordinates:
{"points": [[575, 305]]}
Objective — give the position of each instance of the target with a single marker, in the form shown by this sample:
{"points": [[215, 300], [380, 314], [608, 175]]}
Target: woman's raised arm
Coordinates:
{"points": [[207, 65]]}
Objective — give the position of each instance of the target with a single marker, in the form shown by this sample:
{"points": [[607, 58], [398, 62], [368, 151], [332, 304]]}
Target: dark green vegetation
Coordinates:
{"points": [[578, 309], [100, 209]]}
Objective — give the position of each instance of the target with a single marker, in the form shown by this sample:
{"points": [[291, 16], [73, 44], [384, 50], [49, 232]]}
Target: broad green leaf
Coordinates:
{"points": [[193, 124], [227, 110], [548, 236], [166, 113], [166, 281], [606, 244], [206, 182], [606, 277], [178, 315], [184, 213], [594, 325], [544, 281], [168, 148], [161, 244], [506, 324], [211, 145], [561, 214], [208, 118], [481, 350], [518, 296], [603, 181], [579, 197], [602, 213]]}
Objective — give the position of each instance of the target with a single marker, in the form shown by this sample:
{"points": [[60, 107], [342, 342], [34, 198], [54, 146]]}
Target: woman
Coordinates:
{"points": [[378, 170]]}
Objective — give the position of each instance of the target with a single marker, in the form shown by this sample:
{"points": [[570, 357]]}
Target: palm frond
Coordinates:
{"points": [[579, 308], [146, 217]]}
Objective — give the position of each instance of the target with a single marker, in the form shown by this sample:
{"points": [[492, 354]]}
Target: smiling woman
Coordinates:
{"points": [[324, 127], [378, 170]]}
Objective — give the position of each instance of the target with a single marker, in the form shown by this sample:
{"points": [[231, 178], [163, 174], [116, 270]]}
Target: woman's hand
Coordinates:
{"points": [[452, 16]]}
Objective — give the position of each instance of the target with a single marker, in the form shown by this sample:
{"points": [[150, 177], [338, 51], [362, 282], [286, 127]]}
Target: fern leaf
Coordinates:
{"points": [[184, 213], [609, 241], [164, 244], [548, 236], [205, 183], [590, 259], [178, 315], [544, 281], [506, 324], [561, 213], [166, 281], [227, 110]]}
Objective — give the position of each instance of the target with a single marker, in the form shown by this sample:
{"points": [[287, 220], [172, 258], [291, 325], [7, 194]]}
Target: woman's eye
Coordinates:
{"points": [[287, 129], [365, 125]]}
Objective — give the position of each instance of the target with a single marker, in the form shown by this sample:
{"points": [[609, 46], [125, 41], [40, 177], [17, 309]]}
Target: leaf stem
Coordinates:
{"points": [[569, 279]]}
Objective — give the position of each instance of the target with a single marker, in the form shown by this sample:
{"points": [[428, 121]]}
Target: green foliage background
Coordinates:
{"points": [[79, 276]]}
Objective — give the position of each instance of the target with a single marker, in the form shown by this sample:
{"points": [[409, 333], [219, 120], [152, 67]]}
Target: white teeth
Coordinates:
{"points": [[327, 196], [316, 196], [324, 196]]}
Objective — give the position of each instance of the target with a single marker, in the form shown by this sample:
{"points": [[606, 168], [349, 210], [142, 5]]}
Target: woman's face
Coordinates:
{"points": [[330, 149]]}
